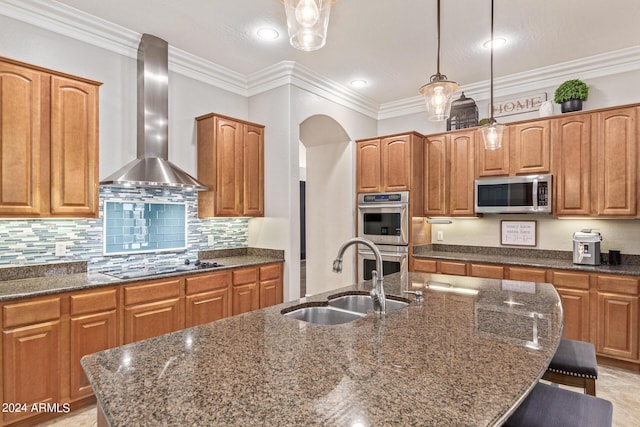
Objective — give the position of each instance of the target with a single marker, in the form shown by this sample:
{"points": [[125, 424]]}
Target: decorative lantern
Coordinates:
{"points": [[464, 114]]}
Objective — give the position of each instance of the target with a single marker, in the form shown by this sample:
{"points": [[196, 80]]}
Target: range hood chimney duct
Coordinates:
{"points": [[152, 167]]}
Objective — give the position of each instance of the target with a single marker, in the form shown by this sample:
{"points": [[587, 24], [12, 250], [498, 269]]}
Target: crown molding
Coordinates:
{"points": [[597, 66], [73, 23]]}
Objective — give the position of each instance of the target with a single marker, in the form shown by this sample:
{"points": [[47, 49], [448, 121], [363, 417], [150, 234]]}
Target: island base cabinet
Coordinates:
{"points": [[31, 366], [617, 333]]}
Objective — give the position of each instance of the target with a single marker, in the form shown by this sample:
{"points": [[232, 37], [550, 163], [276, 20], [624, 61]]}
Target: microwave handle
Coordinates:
{"points": [[535, 194]]}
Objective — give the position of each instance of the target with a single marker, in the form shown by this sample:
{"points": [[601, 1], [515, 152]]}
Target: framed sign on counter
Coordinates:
{"points": [[518, 233]]}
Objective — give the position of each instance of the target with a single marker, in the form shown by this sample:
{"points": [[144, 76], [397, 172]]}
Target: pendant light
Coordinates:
{"points": [[492, 131], [439, 91], [307, 22]]}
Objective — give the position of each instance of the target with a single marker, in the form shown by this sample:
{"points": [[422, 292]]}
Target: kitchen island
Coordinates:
{"points": [[465, 355]]}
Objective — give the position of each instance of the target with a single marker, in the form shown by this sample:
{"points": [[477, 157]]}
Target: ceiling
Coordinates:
{"points": [[391, 44]]}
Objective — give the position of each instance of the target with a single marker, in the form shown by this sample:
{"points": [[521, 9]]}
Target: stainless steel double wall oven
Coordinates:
{"points": [[384, 219]]}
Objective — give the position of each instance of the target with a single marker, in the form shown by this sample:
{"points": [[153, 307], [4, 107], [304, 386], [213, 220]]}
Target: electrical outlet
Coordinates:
{"points": [[61, 249], [210, 240], [440, 236]]}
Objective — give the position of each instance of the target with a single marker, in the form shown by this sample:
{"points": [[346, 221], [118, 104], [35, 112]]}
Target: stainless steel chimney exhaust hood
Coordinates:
{"points": [[152, 167]]}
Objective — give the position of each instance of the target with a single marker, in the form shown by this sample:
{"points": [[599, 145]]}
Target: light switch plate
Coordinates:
{"points": [[440, 236], [61, 249], [210, 240]]}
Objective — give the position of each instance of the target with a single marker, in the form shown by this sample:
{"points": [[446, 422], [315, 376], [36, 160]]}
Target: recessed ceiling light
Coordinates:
{"points": [[497, 42], [267, 33], [358, 83]]}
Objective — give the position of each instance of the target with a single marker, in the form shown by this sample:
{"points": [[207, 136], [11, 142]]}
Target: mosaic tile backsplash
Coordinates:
{"points": [[33, 241]]}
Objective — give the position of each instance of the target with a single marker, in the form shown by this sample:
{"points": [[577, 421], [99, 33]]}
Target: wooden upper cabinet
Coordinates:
{"points": [[368, 176], [396, 168], [449, 174], [615, 162], [492, 162], [231, 165], [48, 143], [530, 147], [462, 174], [21, 141], [74, 148], [435, 174], [572, 165]]}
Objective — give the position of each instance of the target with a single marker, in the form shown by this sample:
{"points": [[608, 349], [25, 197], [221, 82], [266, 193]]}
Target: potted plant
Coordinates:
{"points": [[570, 95]]}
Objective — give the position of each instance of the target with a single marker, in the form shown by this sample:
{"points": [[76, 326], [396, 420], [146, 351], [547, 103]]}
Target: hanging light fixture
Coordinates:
{"points": [[307, 22], [492, 131], [439, 91]]}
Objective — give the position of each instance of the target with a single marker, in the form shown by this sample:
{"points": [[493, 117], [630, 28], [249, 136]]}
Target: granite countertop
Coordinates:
{"points": [[41, 280], [452, 359], [561, 260]]}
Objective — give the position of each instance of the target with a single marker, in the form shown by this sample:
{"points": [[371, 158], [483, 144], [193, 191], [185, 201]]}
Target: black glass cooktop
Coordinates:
{"points": [[159, 269]]}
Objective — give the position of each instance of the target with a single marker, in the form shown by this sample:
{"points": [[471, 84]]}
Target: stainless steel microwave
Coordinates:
{"points": [[514, 194]]}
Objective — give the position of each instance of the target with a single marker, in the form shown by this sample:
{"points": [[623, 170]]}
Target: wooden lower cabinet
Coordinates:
{"points": [[152, 308], [270, 285], [575, 307], [208, 298], [526, 274], [488, 271], [617, 329], [246, 293], [93, 327]]}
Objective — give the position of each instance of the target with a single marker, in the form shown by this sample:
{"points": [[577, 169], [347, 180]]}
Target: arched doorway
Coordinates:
{"points": [[329, 203]]}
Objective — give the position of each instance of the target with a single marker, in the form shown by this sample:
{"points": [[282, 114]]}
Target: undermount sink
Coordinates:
{"points": [[362, 303], [323, 315]]}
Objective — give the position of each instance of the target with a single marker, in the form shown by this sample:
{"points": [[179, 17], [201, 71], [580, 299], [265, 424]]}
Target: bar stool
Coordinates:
{"points": [[574, 364], [552, 406]]}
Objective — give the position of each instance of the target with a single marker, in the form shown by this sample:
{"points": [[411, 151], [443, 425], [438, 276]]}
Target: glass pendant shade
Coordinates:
{"points": [[438, 96], [492, 135], [307, 22]]}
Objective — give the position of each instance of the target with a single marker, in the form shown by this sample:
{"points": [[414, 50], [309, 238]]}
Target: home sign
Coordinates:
{"points": [[518, 105]]}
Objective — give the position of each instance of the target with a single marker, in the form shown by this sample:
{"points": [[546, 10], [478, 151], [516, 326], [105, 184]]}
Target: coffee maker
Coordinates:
{"points": [[586, 247]]}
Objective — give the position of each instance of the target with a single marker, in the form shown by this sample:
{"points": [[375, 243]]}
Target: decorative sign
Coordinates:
{"points": [[518, 233], [519, 105]]}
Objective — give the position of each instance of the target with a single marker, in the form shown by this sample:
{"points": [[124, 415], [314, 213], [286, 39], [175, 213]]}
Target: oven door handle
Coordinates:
{"points": [[366, 252], [382, 205]]}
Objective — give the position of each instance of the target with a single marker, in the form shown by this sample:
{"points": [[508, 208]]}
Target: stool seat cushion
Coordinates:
{"points": [[552, 406], [577, 358]]}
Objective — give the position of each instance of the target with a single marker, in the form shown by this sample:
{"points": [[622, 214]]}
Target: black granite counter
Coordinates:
{"points": [[40, 280], [464, 356], [561, 260]]}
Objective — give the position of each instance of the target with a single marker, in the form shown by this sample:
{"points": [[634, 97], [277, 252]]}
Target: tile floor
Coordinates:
{"points": [[621, 387]]}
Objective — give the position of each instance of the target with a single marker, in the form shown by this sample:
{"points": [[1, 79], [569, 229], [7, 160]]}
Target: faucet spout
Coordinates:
{"points": [[377, 293]]}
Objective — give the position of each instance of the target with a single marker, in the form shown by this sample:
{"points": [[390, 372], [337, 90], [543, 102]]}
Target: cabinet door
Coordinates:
{"points": [[229, 167], [368, 176], [575, 306], [530, 147], [23, 141], [270, 285], [89, 334], [615, 162], [74, 148], [488, 271], [435, 175], [461, 174], [207, 307], [492, 162], [151, 320], [572, 165], [617, 333], [396, 169], [253, 171], [245, 298], [31, 365]]}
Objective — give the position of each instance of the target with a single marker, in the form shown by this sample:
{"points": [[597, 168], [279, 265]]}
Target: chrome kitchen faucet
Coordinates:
{"points": [[377, 293]]}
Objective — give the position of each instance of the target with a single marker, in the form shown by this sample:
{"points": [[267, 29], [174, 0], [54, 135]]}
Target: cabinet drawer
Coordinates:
{"points": [[457, 268], [488, 271], [570, 280], [622, 285], [30, 312], [527, 274], [269, 272], [152, 291], [425, 265], [207, 282], [245, 275], [93, 302]]}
